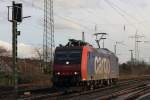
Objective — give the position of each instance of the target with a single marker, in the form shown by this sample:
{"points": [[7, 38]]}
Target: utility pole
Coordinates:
{"points": [[137, 37], [83, 37], [132, 62], [115, 46], [100, 38], [131, 51], [138, 50]]}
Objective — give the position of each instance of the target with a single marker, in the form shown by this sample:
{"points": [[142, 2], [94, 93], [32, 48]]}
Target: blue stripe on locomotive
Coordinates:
{"points": [[90, 65]]}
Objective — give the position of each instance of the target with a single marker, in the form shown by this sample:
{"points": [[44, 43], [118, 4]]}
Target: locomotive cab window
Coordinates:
{"points": [[61, 55], [74, 56]]}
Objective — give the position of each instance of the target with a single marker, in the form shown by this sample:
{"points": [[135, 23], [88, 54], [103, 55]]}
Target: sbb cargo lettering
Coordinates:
{"points": [[102, 65]]}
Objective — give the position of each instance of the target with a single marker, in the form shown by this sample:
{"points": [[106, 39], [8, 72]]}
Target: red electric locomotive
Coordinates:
{"points": [[78, 63]]}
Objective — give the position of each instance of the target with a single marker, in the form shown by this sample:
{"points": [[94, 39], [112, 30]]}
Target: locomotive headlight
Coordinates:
{"points": [[75, 73], [58, 73], [67, 62]]}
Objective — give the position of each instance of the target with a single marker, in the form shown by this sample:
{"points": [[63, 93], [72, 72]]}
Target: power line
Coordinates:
{"points": [[90, 11], [129, 15], [132, 17], [122, 15], [56, 15]]}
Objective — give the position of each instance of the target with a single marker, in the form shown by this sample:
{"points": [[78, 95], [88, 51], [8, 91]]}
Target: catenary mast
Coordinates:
{"points": [[48, 35]]}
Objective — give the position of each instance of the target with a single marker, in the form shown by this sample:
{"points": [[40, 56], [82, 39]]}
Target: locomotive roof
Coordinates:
{"points": [[75, 43], [105, 51], [78, 44], [65, 48]]}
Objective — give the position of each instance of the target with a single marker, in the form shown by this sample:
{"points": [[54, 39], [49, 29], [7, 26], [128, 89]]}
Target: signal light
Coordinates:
{"points": [[17, 11]]}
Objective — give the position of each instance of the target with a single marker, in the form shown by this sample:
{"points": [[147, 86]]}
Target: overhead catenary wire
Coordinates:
{"points": [[77, 22], [120, 13], [115, 6], [56, 15], [64, 18], [133, 18]]}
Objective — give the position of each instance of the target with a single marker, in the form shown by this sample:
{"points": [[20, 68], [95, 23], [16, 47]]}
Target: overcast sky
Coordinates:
{"points": [[119, 18]]}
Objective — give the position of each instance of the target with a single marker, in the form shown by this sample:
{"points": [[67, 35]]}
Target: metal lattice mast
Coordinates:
{"points": [[137, 37], [48, 35]]}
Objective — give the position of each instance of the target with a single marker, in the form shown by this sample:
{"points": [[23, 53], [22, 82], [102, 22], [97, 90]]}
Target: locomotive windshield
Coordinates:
{"points": [[73, 56]]}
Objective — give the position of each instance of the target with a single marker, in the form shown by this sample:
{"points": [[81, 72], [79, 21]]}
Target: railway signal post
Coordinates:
{"points": [[16, 17]]}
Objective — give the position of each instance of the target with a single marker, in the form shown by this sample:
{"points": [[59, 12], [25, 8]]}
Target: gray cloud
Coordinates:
{"points": [[74, 16]]}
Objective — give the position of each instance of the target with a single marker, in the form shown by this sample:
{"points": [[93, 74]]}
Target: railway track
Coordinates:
{"points": [[8, 92], [90, 94], [129, 89], [106, 93], [5, 91], [130, 93]]}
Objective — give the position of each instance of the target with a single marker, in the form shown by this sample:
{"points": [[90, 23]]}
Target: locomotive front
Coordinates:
{"points": [[67, 65], [79, 64]]}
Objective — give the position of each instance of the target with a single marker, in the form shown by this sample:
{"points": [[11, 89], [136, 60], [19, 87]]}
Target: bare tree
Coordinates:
{"points": [[39, 54], [4, 52]]}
